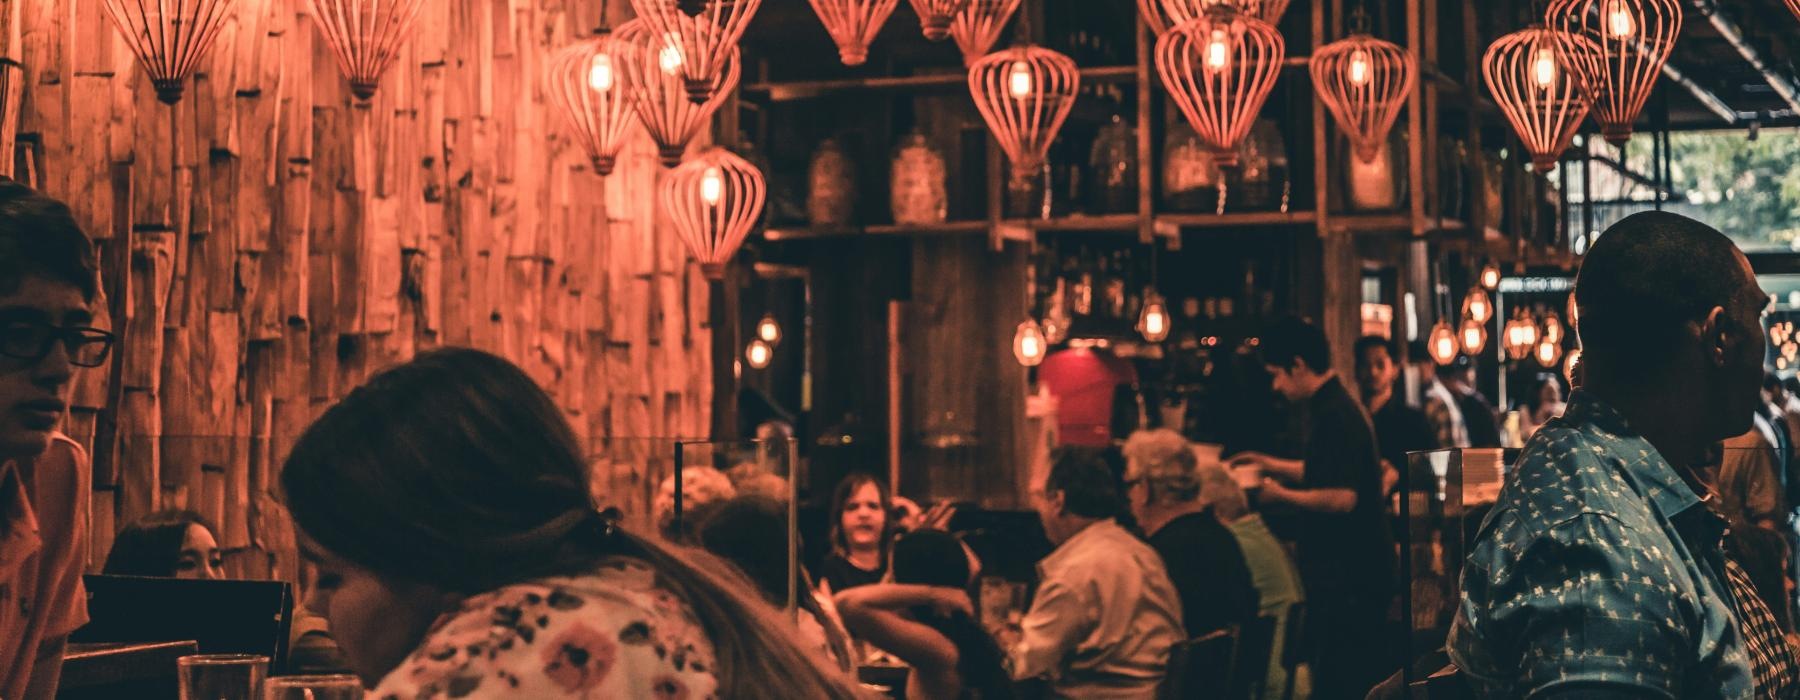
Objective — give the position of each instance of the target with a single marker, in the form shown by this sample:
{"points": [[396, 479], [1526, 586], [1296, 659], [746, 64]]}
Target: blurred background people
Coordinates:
{"points": [[1202, 558]]}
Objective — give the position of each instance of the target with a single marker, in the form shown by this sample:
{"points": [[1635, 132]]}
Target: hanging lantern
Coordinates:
{"points": [[1521, 336], [705, 41], [1024, 94], [1183, 10], [768, 330], [1477, 306], [758, 353], [1473, 336], [1442, 345], [1794, 7], [1490, 276], [1220, 68], [654, 80], [1153, 321], [588, 80], [1538, 93], [366, 34], [935, 16], [714, 200], [1626, 44], [1553, 328], [978, 25], [1570, 364], [1157, 18], [1363, 81], [853, 24], [1548, 353], [1028, 343], [169, 37]]}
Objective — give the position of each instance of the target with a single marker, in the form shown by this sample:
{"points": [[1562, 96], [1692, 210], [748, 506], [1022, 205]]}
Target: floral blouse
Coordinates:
{"points": [[614, 633]]}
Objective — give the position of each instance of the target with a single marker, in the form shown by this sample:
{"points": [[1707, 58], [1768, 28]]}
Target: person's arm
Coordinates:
{"points": [[1319, 500], [46, 671], [1289, 470], [872, 614], [1058, 620]]}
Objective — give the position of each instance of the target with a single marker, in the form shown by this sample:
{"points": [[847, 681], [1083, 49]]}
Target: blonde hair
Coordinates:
{"points": [[1166, 463]]}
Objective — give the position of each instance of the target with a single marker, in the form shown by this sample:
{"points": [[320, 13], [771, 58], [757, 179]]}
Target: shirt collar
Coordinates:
{"points": [[1100, 529], [1663, 485], [1328, 391]]}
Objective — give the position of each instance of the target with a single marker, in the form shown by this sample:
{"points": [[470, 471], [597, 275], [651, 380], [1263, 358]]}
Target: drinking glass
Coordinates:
{"points": [[340, 686], [222, 676]]}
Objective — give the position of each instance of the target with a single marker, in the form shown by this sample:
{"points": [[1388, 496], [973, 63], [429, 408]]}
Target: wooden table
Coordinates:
{"points": [[117, 669]]}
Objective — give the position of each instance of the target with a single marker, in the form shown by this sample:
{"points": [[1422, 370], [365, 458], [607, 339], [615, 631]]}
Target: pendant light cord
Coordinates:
{"points": [[604, 26]]}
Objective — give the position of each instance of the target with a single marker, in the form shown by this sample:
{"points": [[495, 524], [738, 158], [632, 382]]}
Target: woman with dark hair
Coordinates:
{"points": [[1541, 402], [460, 553], [862, 527], [166, 544], [749, 532], [926, 619]]}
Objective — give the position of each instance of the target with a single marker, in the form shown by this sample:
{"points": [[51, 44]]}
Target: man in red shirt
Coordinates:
{"points": [[48, 282]]}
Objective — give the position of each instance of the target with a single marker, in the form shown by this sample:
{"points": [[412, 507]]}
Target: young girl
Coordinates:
{"points": [[861, 530], [166, 544], [460, 554]]}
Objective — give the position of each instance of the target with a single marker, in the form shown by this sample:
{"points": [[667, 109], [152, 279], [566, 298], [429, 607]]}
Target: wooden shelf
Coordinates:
{"points": [[1248, 218], [948, 228], [809, 89]]}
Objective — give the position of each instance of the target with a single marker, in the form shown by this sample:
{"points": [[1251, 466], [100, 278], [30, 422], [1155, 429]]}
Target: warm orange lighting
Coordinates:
{"points": [[1220, 104], [1490, 276], [978, 26], [1616, 50], [1541, 101], [1218, 51], [1548, 353], [1364, 81], [705, 41], [1474, 337], [1477, 306], [1443, 343], [366, 36], [712, 187], [1153, 322], [584, 81], [1570, 364], [1179, 11], [1359, 68], [1028, 343], [1553, 329], [853, 24], [769, 330], [1543, 68], [170, 37], [935, 16], [1619, 22], [1024, 94], [659, 93], [758, 353], [713, 200]]}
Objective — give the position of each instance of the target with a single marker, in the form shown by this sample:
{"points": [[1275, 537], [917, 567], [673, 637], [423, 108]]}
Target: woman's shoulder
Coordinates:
{"points": [[615, 631]]}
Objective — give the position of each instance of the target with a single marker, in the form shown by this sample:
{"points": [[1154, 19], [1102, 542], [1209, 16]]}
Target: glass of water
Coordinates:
{"points": [[340, 686], [222, 676]]}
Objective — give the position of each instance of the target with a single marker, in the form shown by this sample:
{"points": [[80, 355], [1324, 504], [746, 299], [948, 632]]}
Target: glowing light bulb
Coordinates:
{"points": [[1478, 306], [1548, 353], [1153, 323], [1443, 343], [1218, 52], [1028, 343], [769, 330], [1553, 329], [600, 73], [1474, 337], [712, 187], [669, 58], [1018, 80], [758, 353], [1359, 67], [1490, 277], [1619, 21], [1543, 68]]}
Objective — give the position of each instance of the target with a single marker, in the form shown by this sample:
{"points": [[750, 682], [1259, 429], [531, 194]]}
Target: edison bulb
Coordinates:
{"points": [[1443, 343], [1490, 277], [1474, 337], [769, 330], [1359, 67], [1154, 321], [1478, 306], [1547, 353], [1543, 68], [1218, 52], [600, 73], [712, 186], [1619, 21], [1018, 80], [1553, 329], [758, 353], [1028, 343], [669, 58]]}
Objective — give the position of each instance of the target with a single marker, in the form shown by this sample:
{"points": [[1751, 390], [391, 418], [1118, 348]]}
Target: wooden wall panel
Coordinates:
{"points": [[270, 242]]}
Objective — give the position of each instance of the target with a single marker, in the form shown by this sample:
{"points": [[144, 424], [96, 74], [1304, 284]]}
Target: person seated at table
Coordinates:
{"points": [[49, 278], [1272, 571], [926, 619], [461, 554], [751, 532], [701, 489], [862, 528], [1105, 614], [1202, 558], [180, 544]]}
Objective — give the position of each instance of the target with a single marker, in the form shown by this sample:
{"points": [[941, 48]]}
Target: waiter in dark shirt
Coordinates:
{"points": [[1399, 428], [1346, 552]]}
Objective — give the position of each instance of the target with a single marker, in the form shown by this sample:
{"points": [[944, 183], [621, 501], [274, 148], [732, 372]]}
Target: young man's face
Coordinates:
{"points": [[1283, 382], [1376, 370], [35, 394]]}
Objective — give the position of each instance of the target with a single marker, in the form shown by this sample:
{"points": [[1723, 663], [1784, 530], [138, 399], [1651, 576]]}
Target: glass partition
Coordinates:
{"points": [[1443, 499]]}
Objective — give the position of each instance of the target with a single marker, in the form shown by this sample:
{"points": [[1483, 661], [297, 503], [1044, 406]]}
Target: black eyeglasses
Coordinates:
{"points": [[32, 341]]}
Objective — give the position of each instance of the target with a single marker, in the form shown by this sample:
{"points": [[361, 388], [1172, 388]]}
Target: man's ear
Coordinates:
{"points": [[1716, 336], [1058, 500]]}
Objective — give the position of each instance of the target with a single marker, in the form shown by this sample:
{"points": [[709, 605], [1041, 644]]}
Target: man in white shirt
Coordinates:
{"points": [[1106, 614]]}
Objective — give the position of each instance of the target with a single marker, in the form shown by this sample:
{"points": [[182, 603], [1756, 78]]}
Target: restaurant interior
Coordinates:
{"points": [[772, 247]]}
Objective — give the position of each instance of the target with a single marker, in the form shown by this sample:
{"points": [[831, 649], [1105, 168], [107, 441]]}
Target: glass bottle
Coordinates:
{"points": [[917, 191], [1261, 178], [1190, 178], [831, 186], [1112, 168]]}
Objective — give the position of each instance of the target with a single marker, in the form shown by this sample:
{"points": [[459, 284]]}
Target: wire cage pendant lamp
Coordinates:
{"points": [[1183, 10], [714, 200], [1024, 94], [1626, 44], [590, 81], [657, 91], [705, 35], [1363, 81], [853, 25], [978, 26], [936, 16], [169, 37], [366, 35], [1534, 87], [1219, 69]]}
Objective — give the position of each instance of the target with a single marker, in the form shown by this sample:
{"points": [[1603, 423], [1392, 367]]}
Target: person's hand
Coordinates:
{"points": [[1248, 459], [947, 601], [909, 514], [825, 589], [1390, 477], [938, 517], [1273, 492]]}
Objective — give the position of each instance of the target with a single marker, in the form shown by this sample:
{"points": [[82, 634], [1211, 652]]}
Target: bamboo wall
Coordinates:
{"points": [[269, 242]]}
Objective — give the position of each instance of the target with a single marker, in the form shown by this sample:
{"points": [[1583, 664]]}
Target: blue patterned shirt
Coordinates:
{"points": [[1598, 565]]}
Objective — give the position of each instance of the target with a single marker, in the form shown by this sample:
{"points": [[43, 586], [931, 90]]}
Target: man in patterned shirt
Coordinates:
{"points": [[1601, 571]]}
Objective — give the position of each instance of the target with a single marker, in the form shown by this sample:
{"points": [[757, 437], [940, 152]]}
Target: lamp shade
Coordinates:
{"points": [[978, 26], [169, 37], [1534, 87], [853, 25], [1157, 18], [714, 200], [1616, 49], [1478, 306], [589, 83], [1363, 81], [658, 93], [1490, 276], [1028, 344], [1153, 321], [1473, 336], [1024, 93], [366, 36], [1266, 10], [936, 16], [706, 40], [1442, 343], [1219, 69]]}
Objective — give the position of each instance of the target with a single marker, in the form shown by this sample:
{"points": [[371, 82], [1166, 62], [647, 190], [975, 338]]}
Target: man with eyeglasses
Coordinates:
{"points": [[48, 281]]}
